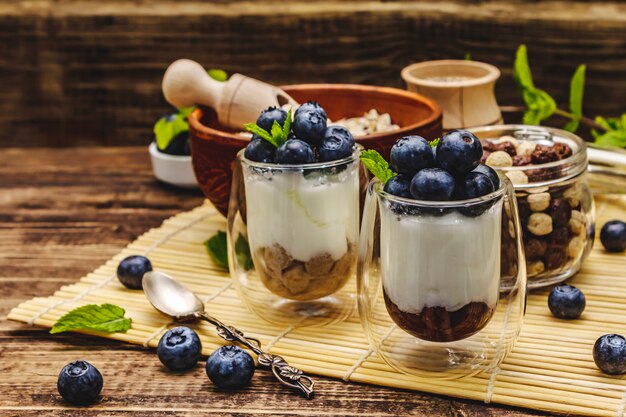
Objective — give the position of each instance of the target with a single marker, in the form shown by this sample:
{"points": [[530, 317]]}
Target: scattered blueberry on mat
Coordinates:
{"points": [[609, 354], [179, 349], [613, 236], [80, 383], [566, 302], [230, 367], [130, 271]]}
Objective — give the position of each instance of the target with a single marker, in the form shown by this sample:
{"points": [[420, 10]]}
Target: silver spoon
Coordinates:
{"points": [[175, 300]]}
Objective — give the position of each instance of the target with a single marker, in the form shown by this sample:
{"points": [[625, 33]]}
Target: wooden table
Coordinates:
{"points": [[63, 212]]}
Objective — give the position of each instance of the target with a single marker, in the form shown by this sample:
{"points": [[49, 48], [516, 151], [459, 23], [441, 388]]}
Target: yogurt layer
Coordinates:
{"points": [[448, 261], [306, 216]]}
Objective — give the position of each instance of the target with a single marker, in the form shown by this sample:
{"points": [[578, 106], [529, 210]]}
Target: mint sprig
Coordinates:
{"points": [[615, 131], [435, 142], [277, 135], [106, 318], [377, 165], [216, 247], [539, 103], [576, 89]]}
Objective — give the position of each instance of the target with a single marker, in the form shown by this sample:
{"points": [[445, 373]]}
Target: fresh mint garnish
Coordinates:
{"points": [[216, 247], [377, 165], [278, 134], [435, 142], [576, 89], [540, 104], [615, 134], [107, 318]]}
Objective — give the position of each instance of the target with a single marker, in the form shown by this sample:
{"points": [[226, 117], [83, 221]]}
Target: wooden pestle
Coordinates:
{"points": [[237, 101]]}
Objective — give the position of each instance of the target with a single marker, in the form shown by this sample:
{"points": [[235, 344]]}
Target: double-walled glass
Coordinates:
{"points": [[441, 285], [300, 224]]}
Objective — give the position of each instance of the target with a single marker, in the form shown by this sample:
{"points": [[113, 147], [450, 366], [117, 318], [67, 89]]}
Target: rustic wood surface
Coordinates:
{"points": [[89, 71], [63, 212]]}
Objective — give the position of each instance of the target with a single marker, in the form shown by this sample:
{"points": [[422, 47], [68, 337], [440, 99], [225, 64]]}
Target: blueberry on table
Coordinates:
{"points": [[613, 236], [179, 145], [260, 150], [566, 302], [179, 349], [411, 154], [230, 367], [490, 172], [609, 354], [294, 151], [473, 185], [338, 143], [268, 116], [399, 186], [80, 383], [311, 106], [432, 184], [310, 126], [130, 271], [459, 152]]}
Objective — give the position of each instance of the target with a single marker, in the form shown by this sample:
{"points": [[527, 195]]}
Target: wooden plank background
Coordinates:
{"points": [[78, 72]]}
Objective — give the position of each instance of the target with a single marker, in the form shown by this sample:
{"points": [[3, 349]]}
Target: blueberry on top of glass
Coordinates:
{"points": [[411, 154], [433, 184], [613, 236], [459, 152], [277, 139], [399, 186]]}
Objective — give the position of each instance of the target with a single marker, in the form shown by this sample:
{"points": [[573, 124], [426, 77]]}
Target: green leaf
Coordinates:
{"points": [[615, 134], [521, 69], [168, 127], [468, 56], [107, 318], [434, 143], [287, 125], [254, 128], [242, 249], [377, 165], [186, 111], [218, 74], [576, 90], [277, 133], [540, 106], [216, 247]]}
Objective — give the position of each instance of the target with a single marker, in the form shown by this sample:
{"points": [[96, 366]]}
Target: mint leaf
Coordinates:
{"points": [[168, 127], [615, 135], [216, 247], [377, 165], [521, 69], [107, 318], [218, 74], [254, 128], [287, 125], [277, 133], [242, 249], [576, 90], [434, 143], [468, 56], [540, 106], [186, 111]]}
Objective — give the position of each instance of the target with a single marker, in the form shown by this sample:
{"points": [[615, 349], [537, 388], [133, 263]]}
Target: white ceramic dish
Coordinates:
{"points": [[172, 169]]}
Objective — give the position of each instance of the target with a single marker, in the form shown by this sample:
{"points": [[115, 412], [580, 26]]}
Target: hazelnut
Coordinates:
{"points": [[572, 195], [521, 160], [517, 177], [507, 147], [535, 268], [560, 211], [555, 258], [544, 154], [509, 139], [537, 190], [577, 222], [540, 224], [562, 150], [576, 246], [539, 202], [499, 159], [535, 248], [525, 148]]}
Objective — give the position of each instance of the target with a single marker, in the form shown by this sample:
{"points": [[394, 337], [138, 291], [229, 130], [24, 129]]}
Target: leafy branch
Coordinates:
{"points": [[277, 135], [540, 105]]}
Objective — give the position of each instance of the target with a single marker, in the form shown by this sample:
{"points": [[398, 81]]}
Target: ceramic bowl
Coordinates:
{"points": [[172, 169], [213, 148]]}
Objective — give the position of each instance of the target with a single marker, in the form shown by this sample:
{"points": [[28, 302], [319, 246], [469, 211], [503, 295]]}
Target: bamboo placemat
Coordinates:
{"points": [[550, 368]]}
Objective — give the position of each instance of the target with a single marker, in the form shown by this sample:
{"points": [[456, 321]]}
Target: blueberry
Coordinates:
{"points": [[310, 126], [399, 186], [473, 185], [179, 349], [609, 354], [459, 152], [338, 143], [411, 154], [566, 302], [294, 151], [130, 271], [491, 173], [311, 105], [613, 236], [432, 184], [80, 383], [179, 145], [230, 367], [260, 150], [268, 116]]}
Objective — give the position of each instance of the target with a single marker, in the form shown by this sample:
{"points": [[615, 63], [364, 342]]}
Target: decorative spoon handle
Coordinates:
{"points": [[285, 373]]}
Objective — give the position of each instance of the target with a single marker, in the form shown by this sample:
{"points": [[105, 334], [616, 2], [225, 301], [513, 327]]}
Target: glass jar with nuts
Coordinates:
{"points": [[548, 168]]}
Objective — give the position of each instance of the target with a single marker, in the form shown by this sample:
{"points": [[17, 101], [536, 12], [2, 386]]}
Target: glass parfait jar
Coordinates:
{"points": [[300, 224], [555, 203], [441, 284]]}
